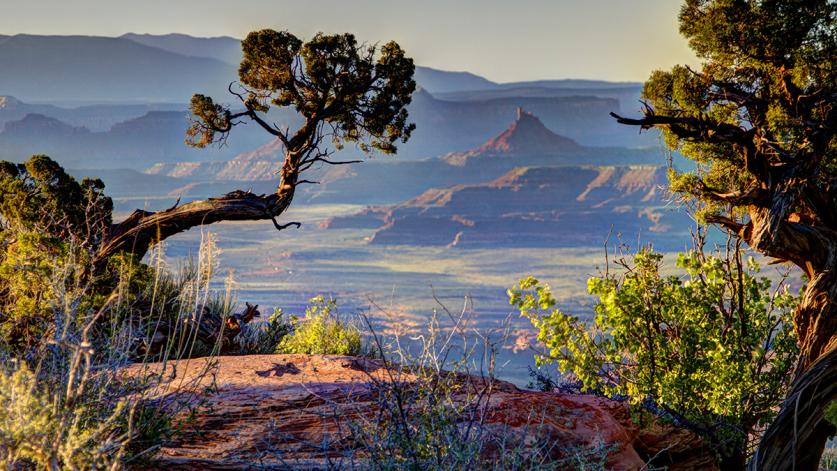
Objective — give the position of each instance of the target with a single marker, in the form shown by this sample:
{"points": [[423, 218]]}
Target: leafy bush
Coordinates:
{"points": [[831, 413], [713, 347], [321, 332], [27, 264], [263, 338], [50, 225]]}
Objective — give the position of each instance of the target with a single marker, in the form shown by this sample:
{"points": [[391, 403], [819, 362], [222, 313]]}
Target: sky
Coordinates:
{"points": [[502, 40]]}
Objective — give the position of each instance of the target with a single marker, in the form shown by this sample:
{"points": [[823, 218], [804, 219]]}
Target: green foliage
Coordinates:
{"points": [[40, 275], [39, 196], [50, 227], [768, 68], [714, 345], [276, 329], [321, 332], [831, 413], [28, 266], [359, 91]]}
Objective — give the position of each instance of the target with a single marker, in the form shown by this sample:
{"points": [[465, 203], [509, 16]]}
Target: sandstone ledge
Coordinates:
{"points": [[289, 411]]}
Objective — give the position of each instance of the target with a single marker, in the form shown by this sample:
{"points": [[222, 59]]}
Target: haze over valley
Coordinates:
{"points": [[499, 180]]}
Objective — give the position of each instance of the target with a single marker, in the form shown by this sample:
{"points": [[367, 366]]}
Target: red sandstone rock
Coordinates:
{"points": [[292, 411], [527, 135]]}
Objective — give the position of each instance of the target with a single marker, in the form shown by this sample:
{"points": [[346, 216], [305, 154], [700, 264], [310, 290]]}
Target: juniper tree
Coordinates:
{"points": [[344, 92], [759, 118]]}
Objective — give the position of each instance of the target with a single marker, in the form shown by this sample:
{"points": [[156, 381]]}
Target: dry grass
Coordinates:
{"points": [[69, 406]]}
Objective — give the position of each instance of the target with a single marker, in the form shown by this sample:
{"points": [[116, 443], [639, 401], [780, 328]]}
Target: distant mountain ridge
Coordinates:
{"points": [[440, 81], [437, 81], [156, 136], [223, 48], [578, 84], [524, 142], [138, 136], [103, 70], [531, 206], [136, 68], [92, 117]]}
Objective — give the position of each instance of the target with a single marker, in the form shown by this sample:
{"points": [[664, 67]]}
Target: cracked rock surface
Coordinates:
{"points": [[295, 411]]}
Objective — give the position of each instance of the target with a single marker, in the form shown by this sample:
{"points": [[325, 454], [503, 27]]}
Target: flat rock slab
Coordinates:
{"points": [[295, 411]]}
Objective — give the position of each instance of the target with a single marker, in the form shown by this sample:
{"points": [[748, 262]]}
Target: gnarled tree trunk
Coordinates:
{"points": [[796, 439], [142, 229]]}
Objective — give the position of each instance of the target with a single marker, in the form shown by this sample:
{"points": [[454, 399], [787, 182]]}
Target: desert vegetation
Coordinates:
{"points": [[67, 402], [759, 120], [709, 347], [67, 332]]}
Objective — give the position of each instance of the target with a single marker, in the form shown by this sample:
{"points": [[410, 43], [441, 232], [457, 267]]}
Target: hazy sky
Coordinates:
{"points": [[503, 40]]}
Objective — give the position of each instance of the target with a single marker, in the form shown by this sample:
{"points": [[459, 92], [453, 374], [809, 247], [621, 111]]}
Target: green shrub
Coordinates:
{"points": [[262, 338], [831, 413], [713, 346], [50, 228], [50, 422], [321, 332], [28, 263]]}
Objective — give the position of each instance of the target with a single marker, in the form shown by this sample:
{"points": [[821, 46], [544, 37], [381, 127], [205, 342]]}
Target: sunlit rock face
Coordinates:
{"points": [[260, 164], [526, 136], [294, 404], [541, 206]]}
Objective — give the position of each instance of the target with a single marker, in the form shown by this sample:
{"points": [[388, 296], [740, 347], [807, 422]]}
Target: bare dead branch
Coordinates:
{"points": [[280, 227]]}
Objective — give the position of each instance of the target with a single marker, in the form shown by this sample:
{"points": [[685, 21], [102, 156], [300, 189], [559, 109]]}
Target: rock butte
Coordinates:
{"points": [[277, 411]]}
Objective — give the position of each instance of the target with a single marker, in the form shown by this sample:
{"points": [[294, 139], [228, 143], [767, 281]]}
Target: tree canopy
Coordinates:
{"points": [[359, 92], [759, 118], [342, 90]]}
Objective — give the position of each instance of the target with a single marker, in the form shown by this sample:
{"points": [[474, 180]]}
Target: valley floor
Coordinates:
{"points": [[394, 286]]}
